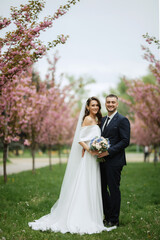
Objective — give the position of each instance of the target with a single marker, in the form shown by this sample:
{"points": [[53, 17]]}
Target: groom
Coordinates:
{"points": [[116, 128]]}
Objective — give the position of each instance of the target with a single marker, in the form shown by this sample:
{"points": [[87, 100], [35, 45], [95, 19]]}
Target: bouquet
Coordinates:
{"points": [[99, 144]]}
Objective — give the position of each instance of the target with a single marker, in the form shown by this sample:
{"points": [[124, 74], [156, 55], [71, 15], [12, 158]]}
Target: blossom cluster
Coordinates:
{"points": [[20, 48]]}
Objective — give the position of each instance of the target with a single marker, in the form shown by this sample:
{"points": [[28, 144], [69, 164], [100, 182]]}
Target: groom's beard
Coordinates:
{"points": [[111, 111]]}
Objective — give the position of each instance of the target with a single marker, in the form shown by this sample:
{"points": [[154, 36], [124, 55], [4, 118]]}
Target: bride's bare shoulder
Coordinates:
{"points": [[87, 121]]}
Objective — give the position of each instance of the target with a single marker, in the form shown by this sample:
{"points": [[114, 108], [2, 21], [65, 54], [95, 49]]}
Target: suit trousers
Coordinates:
{"points": [[111, 195]]}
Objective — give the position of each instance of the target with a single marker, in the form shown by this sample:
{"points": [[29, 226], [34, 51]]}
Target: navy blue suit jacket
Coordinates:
{"points": [[118, 132]]}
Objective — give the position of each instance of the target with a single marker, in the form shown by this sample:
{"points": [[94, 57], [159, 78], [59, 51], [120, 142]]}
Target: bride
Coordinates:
{"points": [[79, 207]]}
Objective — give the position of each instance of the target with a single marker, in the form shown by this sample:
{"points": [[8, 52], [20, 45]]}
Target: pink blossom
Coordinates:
{"points": [[63, 39], [15, 139], [26, 142]]}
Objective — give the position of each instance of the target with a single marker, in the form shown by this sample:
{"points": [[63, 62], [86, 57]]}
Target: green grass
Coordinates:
{"points": [[27, 197]]}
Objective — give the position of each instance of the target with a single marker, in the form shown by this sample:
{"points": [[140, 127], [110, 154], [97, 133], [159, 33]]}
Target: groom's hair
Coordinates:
{"points": [[112, 95]]}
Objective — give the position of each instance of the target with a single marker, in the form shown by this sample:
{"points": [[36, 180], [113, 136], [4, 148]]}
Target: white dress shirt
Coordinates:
{"points": [[110, 118]]}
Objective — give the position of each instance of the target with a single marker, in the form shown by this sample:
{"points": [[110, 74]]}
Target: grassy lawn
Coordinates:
{"points": [[27, 197]]}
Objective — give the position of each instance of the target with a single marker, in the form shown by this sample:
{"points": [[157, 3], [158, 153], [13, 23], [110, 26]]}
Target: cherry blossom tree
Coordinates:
{"points": [[58, 125], [19, 49], [59, 122], [145, 104], [36, 107], [140, 133], [13, 112]]}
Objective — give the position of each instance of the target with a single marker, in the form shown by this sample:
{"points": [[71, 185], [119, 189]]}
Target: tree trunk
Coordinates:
{"points": [[17, 152], [5, 151], [50, 157], [155, 155], [59, 154], [33, 159]]}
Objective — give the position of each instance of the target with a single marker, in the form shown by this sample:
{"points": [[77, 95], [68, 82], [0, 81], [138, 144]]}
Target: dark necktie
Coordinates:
{"points": [[105, 124]]}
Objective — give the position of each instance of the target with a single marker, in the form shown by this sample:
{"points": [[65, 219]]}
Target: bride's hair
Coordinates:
{"points": [[99, 114]]}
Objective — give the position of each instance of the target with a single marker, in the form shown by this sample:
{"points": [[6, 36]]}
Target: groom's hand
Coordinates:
{"points": [[94, 153], [104, 154]]}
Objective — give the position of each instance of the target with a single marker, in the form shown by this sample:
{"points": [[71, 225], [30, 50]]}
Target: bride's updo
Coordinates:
{"points": [[99, 114]]}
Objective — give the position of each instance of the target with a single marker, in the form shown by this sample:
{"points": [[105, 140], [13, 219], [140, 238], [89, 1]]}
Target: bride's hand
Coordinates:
{"points": [[83, 151]]}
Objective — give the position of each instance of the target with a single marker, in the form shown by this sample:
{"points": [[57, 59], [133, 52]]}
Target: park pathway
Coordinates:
{"points": [[24, 164]]}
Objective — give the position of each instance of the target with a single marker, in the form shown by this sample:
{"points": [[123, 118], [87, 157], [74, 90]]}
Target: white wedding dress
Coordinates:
{"points": [[79, 207]]}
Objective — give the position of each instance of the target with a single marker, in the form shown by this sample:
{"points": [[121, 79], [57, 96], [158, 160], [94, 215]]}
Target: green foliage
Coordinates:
{"points": [[149, 78], [79, 88], [133, 148], [27, 197]]}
